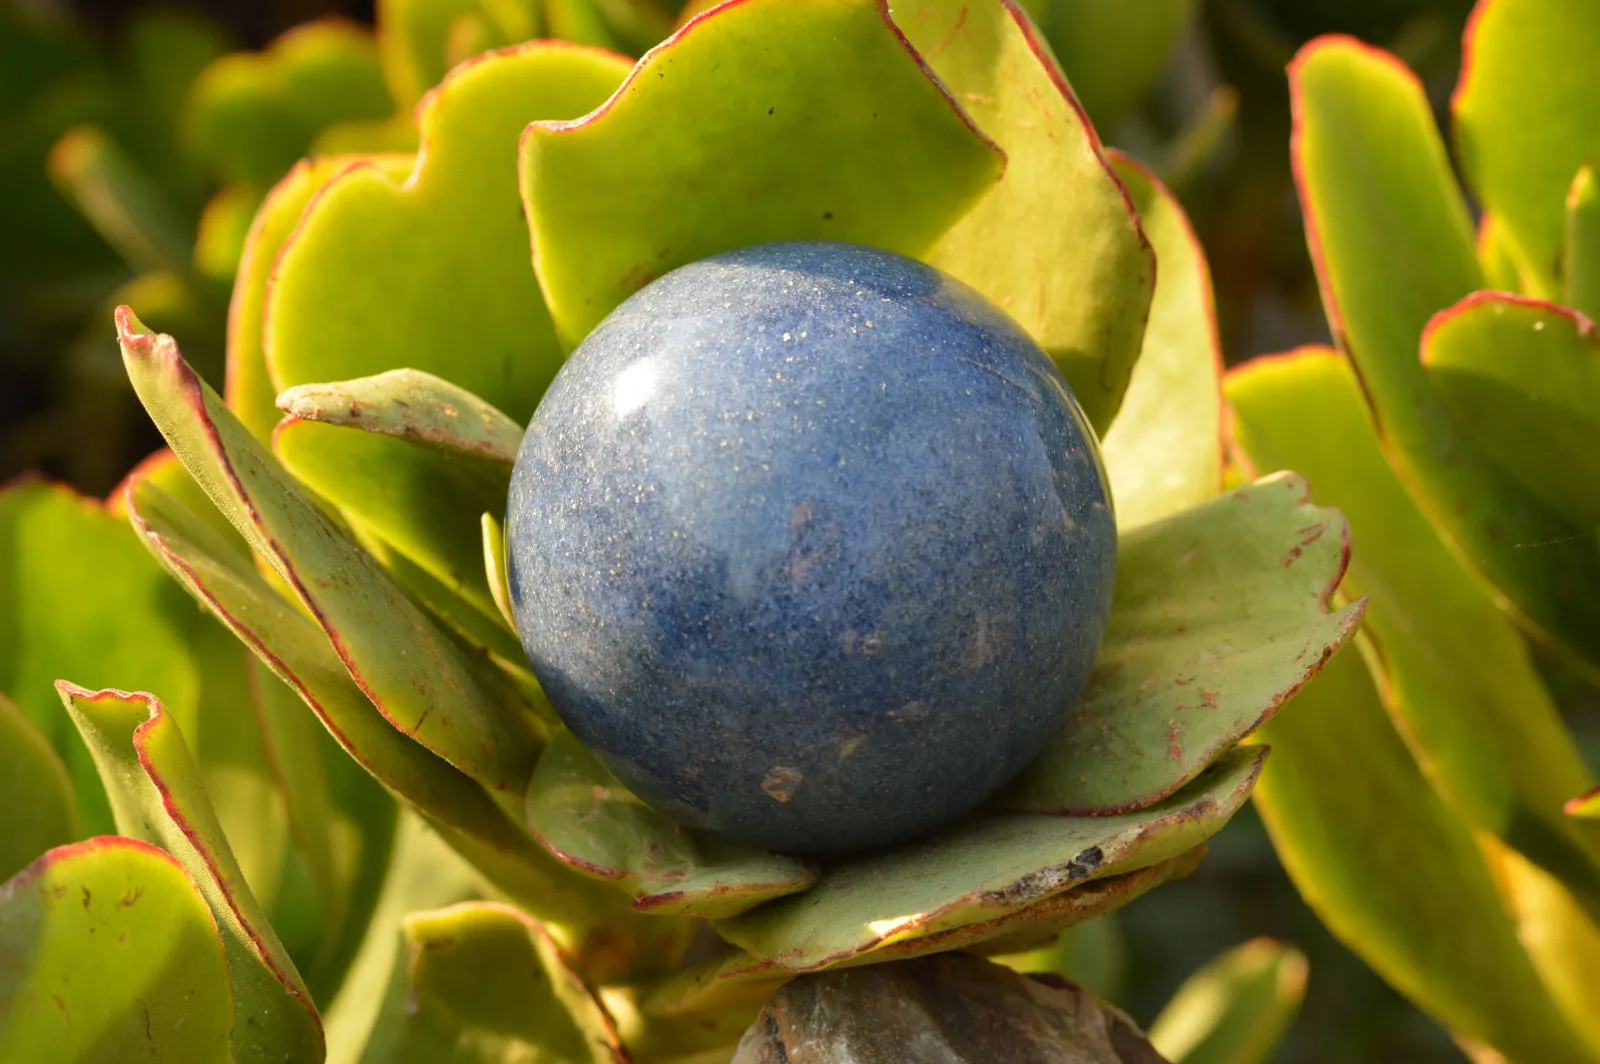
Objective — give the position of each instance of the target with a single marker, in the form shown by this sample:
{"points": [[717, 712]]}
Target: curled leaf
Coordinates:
{"points": [[1221, 612], [418, 678], [413, 405], [158, 796], [980, 870]]}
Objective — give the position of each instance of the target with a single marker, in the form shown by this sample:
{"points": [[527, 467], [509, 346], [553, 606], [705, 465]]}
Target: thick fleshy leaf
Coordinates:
{"points": [[250, 391], [1459, 677], [1585, 806], [1393, 244], [107, 952], [293, 648], [1056, 242], [414, 406], [1236, 1009], [761, 120], [707, 994], [343, 824], [1394, 873], [1164, 451], [252, 115], [421, 680], [432, 272], [481, 982], [985, 867], [158, 797], [1494, 257], [1525, 117], [423, 872], [951, 1008], [106, 619], [1580, 259], [36, 792], [1560, 932], [1220, 614], [422, 501], [1523, 380], [223, 229], [590, 821]]}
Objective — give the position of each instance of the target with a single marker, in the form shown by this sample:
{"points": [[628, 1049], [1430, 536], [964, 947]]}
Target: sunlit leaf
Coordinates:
{"points": [[108, 952]]}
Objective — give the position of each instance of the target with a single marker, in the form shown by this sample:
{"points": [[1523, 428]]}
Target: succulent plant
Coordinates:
{"points": [[349, 823], [1454, 425]]}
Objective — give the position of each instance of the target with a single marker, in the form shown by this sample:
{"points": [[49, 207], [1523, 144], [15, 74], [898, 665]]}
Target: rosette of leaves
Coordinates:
{"points": [[1456, 425], [399, 755]]}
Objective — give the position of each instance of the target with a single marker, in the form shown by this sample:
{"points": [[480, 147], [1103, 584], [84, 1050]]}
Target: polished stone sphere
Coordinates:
{"points": [[812, 545]]}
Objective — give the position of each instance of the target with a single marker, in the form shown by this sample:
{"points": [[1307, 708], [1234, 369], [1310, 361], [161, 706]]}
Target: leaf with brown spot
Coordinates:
{"points": [[158, 796], [980, 870], [587, 819], [1220, 613]]}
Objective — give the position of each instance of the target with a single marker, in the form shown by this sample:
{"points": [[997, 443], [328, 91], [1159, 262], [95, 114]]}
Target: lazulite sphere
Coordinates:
{"points": [[812, 545]]}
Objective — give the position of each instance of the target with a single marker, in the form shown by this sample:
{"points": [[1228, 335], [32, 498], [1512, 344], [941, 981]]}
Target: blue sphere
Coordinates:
{"points": [[812, 545]]}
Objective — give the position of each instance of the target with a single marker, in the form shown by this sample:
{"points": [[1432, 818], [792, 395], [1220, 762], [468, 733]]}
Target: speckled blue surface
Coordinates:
{"points": [[812, 545]]}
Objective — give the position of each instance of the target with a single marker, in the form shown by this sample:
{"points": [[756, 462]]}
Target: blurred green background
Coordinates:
{"points": [[1195, 88]]}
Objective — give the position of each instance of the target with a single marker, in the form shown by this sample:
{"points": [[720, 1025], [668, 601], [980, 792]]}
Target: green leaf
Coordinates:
{"points": [[251, 115], [126, 206], [78, 597], [708, 1004], [1393, 244], [422, 873], [421, 681], [1473, 707], [158, 797], [481, 982], [1585, 806], [1164, 451], [1394, 873], [1457, 679], [1580, 261], [1112, 60], [250, 391], [759, 121], [1086, 306], [1236, 1009], [1525, 118], [35, 791], [343, 825], [412, 405], [432, 272], [424, 502], [293, 648], [1220, 613], [109, 951], [1523, 380], [980, 870], [224, 227], [1494, 257], [588, 820], [495, 569]]}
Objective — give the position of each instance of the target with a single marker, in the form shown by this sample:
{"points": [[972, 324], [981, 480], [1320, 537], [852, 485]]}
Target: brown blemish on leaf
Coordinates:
{"points": [[1174, 747]]}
